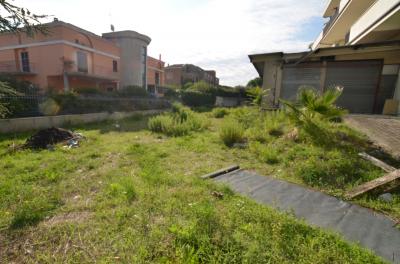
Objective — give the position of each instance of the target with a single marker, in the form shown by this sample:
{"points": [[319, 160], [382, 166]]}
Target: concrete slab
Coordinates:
{"points": [[383, 130]]}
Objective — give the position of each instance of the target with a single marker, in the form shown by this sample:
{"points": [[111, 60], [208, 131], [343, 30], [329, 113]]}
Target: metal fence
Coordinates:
{"points": [[35, 104]]}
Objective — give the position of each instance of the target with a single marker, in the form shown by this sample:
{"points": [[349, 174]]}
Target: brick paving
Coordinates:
{"points": [[382, 130]]}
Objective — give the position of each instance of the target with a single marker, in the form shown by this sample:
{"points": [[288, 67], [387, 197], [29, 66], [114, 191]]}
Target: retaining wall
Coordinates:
{"points": [[41, 122]]}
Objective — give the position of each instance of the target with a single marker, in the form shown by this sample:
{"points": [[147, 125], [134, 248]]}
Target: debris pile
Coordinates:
{"points": [[48, 137]]}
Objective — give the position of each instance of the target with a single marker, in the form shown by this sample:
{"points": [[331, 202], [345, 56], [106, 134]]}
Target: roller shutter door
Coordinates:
{"points": [[295, 77], [359, 79]]}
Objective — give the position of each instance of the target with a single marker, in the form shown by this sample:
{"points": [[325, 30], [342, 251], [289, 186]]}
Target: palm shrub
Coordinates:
{"points": [[231, 132], [313, 105], [256, 95]]}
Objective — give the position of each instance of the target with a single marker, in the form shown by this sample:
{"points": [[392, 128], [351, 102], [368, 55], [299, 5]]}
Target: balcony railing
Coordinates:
{"points": [[97, 71], [12, 67]]}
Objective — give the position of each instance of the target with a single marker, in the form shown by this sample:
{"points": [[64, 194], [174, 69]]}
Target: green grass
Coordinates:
{"points": [[131, 196]]}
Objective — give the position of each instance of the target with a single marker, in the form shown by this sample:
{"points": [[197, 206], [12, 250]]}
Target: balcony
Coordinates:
{"points": [[341, 18], [97, 72], [332, 19], [11, 67], [379, 23]]}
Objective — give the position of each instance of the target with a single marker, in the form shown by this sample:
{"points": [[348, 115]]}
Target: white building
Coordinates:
{"points": [[359, 49]]}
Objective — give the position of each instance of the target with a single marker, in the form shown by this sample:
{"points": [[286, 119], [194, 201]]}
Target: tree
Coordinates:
{"points": [[5, 90], [256, 82], [19, 19]]}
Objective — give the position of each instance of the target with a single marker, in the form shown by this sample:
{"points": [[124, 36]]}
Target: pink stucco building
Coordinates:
{"points": [[71, 58]]}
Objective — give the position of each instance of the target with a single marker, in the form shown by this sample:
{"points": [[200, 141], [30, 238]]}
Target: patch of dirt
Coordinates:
{"points": [[73, 217], [49, 136]]}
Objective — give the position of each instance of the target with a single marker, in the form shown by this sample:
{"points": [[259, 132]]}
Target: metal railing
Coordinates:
{"points": [[12, 67]]}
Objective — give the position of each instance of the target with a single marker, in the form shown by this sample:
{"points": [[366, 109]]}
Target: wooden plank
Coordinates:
{"points": [[377, 162], [366, 187], [220, 172]]}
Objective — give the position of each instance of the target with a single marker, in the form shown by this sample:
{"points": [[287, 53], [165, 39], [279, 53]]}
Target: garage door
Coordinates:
{"points": [[301, 75], [359, 79]]}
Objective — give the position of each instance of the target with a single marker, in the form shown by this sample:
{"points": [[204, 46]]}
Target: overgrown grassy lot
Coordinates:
{"points": [[128, 195]]}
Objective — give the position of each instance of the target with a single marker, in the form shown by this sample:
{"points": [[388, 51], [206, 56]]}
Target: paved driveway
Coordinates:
{"points": [[383, 130]]}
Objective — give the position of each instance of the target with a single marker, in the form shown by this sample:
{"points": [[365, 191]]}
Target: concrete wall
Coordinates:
{"points": [[131, 44], [272, 79], [34, 123], [227, 101]]}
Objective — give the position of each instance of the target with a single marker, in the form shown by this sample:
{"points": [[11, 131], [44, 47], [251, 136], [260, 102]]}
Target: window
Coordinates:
{"points": [[82, 61], [144, 70], [25, 62], [115, 66], [157, 78]]}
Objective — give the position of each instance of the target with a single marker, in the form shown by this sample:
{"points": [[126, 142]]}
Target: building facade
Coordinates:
{"points": [[354, 22], [359, 49], [180, 74], [155, 72], [133, 50], [69, 57]]}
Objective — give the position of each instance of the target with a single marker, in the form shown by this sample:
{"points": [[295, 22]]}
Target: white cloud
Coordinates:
{"points": [[215, 34]]}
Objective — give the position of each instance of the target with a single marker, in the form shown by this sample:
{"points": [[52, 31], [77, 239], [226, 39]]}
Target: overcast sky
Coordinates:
{"points": [[213, 34]]}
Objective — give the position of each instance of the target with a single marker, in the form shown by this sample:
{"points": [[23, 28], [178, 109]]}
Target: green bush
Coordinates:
{"points": [[88, 91], [256, 95], [231, 132], [21, 102], [181, 121], [160, 123], [202, 87], [266, 153], [275, 122], [5, 90], [133, 90], [312, 105], [196, 98], [219, 112], [333, 169]]}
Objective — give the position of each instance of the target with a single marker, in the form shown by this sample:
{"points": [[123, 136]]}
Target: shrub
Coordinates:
{"points": [[196, 98], [181, 121], [231, 132], [88, 91], [219, 112], [246, 116], [274, 123], [159, 124], [202, 87], [256, 95], [17, 98], [333, 169], [5, 90], [133, 90], [313, 105], [266, 153]]}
